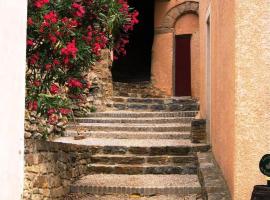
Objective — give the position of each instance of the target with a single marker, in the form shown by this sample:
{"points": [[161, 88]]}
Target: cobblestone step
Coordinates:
{"points": [[130, 114], [145, 184], [83, 196], [130, 135], [131, 159], [186, 168], [169, 100], [160, 120], [137, 89], [152, 147], [155, 107], [130, 127]]}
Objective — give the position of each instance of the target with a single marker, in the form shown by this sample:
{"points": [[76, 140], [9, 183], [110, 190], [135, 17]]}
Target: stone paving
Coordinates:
{"points": [[130, 197], [144, 155]]}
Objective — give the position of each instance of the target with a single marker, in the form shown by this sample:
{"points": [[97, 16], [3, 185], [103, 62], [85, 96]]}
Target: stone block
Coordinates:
{"points": [[41, 182], [198, 130], [138, 150]]}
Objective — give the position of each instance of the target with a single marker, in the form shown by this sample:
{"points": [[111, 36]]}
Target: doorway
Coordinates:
{"points": [[136, 65], [182, 77]]}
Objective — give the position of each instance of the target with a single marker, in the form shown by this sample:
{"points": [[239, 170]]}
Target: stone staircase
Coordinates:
{"points": [[143, 89], [140, 149]]}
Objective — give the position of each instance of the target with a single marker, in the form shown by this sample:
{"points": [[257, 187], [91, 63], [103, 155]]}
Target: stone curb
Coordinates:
{"points": [[143, 114], [211, 178], [134, 190]]}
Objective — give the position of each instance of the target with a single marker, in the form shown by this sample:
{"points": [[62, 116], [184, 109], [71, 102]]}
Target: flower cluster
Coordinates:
{"points": [[123, 40], [64, 38]]}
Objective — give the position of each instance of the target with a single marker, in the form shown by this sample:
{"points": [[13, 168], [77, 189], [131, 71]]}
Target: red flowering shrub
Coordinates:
{"points": [[64, 38]]}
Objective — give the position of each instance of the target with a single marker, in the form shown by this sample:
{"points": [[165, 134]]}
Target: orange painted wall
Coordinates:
{"points": [[222, 84], [162, 7], [189, 24], [162, 54], [163, 49]]}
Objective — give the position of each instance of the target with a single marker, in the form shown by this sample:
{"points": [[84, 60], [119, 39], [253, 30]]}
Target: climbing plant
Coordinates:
{"points": [[64, 39]]}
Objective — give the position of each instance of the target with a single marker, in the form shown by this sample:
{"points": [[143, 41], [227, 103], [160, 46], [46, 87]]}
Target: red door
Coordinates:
{"points": [[182, 65]]}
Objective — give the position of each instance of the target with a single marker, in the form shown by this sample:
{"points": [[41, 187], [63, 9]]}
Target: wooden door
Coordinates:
{"points": [[182, 65]]}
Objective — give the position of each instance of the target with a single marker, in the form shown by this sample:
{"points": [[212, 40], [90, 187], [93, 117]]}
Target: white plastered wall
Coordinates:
{"points": [[13, 16]]}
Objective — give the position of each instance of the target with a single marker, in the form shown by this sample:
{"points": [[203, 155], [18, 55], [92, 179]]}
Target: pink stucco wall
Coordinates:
{"points": [[163, 49], [162, 7], [222, 82], [162, 62], [189, 24]]}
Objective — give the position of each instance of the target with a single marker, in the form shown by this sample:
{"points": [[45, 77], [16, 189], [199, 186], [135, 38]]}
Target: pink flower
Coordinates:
{"points": [[33, 105], [64, 111], [51, 17], [56, 62], [66, 60], [53, 119], [80, 11], [48, 67], [96, 49], [54, 89], [37, 83], [33, 59], [41, 3], [30, 21], [30, 42], [52, 38], [74, 83], [51, 111], [70, 49]]}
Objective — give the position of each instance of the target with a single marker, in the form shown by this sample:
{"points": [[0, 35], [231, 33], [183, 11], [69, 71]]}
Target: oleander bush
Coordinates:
{"points": [[64, 39]]}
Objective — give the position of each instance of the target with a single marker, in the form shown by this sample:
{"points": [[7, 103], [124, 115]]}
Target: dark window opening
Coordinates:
{"points": [[136, 65]]}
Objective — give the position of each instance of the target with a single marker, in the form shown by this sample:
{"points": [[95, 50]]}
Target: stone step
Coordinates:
{"points": [[170, 100], [130, 135], [145, 184], [138, 89], [84, 196], [157, 120], [152, 147], [130, 127], [187, 168], [130, 114], [155, 107], [131, 159]]}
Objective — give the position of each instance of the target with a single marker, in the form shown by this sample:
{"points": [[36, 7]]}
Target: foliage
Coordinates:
{"points": [[64, 39]]}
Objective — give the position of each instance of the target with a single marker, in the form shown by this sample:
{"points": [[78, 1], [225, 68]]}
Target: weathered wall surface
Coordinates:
{"points": [[162, 62], [101, 77], [195, 65], [13, 16], [240, 88], [162, 7], [252, 65], [222, 82], [50, 167]]}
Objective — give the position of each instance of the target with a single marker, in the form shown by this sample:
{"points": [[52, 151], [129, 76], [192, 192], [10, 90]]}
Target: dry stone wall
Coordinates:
{"points": [[50, 167]]}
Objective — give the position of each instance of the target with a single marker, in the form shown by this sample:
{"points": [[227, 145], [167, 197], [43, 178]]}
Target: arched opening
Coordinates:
{"points": [[186, 65], [136, 65]]}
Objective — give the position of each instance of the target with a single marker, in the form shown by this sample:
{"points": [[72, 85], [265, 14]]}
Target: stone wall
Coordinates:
{"points": [[101, 77], [198, 130], [50, 167]]}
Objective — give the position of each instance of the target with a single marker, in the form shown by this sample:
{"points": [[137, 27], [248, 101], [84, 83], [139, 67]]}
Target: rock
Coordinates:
{"points": [[37, 136], [27, 134]]}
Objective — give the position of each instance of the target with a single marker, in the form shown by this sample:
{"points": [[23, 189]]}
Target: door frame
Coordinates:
{"points": [[174, 58], [208, 74]]}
